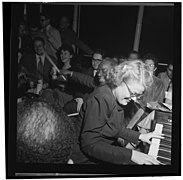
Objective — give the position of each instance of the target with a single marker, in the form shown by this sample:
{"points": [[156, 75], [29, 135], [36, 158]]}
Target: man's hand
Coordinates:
{"points": [[148, 136], [141, 158]]}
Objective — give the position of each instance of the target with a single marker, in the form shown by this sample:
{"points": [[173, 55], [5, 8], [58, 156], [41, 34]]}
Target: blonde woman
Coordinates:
{"points": [[102, 117]]}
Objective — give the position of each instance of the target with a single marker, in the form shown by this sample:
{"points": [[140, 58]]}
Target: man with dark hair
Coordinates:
{"points": [[50, 34], [152, 61], [36, 65], [69, 36], [44, 133], [156, 92]]}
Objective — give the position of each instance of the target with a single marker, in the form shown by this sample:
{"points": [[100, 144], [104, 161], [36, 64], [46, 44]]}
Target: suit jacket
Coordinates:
{"points": [[101, 122], [154, 93], [86, 80], [29, 64], [164, 77], [81, 90]]}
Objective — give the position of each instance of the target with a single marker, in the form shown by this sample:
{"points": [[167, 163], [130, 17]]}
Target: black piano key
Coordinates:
{"points": [[164, 142], [167, 130], [164, 161], [164, 147], [167, 125], [167, 136], [165, 154]]}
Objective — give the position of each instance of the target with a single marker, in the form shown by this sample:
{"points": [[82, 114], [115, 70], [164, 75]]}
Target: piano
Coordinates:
{"points": [[161, 148]]}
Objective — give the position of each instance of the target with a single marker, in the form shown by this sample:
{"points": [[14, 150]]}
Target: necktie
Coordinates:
{"points": [[40, 68]]}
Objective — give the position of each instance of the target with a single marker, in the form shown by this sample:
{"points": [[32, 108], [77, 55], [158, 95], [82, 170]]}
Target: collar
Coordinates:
{"points": [[42, 58]]}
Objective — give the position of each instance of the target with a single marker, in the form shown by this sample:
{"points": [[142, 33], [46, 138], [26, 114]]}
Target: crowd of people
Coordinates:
{"points": [[73, 109]]}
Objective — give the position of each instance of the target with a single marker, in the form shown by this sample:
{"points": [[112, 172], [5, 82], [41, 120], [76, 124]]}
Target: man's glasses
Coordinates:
{"points": [[150, 65], [132, 95]]}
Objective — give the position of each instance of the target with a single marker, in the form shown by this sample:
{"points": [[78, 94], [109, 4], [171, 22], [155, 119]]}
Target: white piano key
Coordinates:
{"points": [[154, 147]]}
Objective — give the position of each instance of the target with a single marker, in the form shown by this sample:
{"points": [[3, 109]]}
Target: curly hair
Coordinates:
{"points": [[129, 71], [44, 133], [152, 57]]}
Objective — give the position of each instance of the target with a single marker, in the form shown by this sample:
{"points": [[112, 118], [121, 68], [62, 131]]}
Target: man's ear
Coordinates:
{"points": [[155, 69]]}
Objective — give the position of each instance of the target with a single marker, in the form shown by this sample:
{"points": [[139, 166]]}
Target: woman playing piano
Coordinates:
{"points": [[102, 117]]}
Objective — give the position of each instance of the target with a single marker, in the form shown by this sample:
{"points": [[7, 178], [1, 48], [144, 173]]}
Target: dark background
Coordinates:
{"points": [[112, 26]]}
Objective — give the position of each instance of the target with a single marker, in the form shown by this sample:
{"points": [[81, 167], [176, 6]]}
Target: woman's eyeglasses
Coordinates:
{"points": [[132, 95]]}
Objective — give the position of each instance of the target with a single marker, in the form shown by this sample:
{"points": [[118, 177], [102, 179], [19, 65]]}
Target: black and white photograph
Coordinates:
{"points": [[90, 89]]}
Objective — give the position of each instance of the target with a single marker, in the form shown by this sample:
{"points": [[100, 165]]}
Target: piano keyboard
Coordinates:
{"points": [[161, 148]]}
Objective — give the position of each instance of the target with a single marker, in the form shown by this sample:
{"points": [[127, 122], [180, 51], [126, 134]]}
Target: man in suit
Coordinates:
{"points": [[36, 65], [156, 92], [82, 92]]}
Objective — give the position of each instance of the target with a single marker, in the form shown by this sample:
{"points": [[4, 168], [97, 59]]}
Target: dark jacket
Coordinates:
{"points": [[154, 93], [29, 64], [86, 80], [101, 122]]}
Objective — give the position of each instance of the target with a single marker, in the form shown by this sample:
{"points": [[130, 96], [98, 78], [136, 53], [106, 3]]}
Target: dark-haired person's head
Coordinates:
{"points": [[64, 22], [44, 20], [65, 54], [97, 58], [104, 69], [39, 45], [133, 55], [44, 133], [22, 28], [151, 62]]}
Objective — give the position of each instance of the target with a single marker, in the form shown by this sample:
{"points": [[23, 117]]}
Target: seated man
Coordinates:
{"points": [[88, 81], [166, 77], [37, 65], [44, 133], [156, 92]]}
